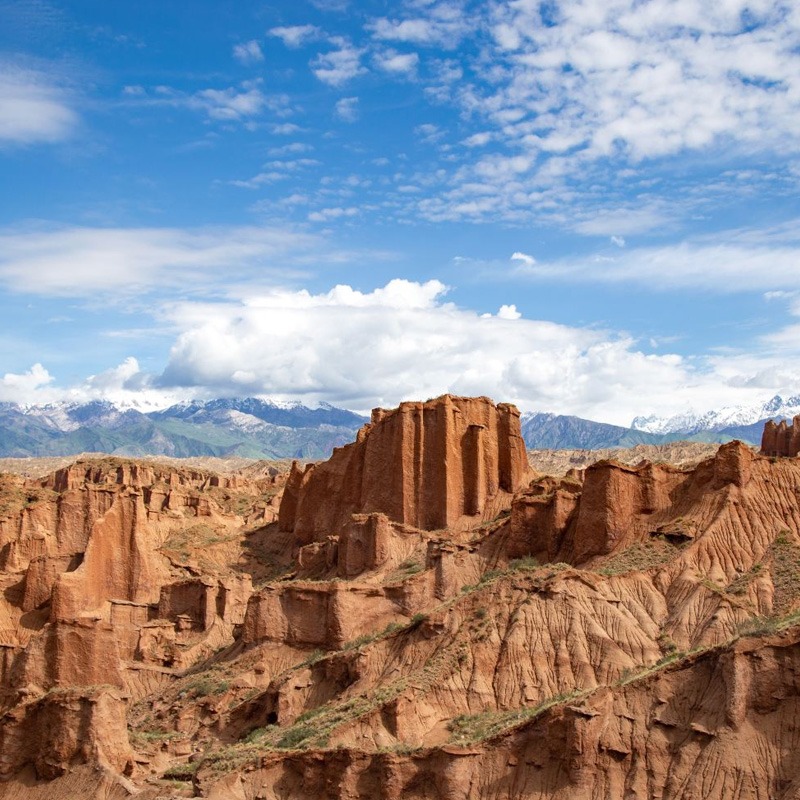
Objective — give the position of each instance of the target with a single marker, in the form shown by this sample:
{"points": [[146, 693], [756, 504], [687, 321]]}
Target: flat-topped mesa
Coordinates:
{"points": [[438, 464], [780, 439]]}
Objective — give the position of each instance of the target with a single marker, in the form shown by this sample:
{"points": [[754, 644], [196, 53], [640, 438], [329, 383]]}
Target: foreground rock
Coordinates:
{"points": [[781, 439], [426, 620]]}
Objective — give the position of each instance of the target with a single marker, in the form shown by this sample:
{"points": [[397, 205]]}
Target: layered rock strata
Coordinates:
{"points": [[618, 631], [780, 439], [434, 465], [101, 596]]}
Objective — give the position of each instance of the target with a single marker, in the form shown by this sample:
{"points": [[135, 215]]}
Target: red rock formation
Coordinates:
{"points": [[64, 730], [699, 729], [90, 599], [780, 439], [431, 465], [383, 659], [611, 506]]}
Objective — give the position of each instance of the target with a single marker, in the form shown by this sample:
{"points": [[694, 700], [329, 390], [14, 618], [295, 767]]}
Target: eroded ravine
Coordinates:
{"points": [[418, 617]]}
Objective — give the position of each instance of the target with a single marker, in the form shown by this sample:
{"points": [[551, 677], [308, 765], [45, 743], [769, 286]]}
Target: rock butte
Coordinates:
{"points": [[780, 439], [418, 617]]}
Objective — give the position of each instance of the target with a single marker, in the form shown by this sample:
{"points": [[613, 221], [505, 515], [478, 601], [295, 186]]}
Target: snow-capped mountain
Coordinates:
{"points": [[69, 416], [257, 428], [729, 417]]}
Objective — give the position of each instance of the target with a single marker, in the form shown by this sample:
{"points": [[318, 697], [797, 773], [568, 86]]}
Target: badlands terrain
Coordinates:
{"points": [[427, 614]]}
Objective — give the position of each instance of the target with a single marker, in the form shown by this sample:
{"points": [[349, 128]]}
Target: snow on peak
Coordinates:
{"points": [[729, 416]]}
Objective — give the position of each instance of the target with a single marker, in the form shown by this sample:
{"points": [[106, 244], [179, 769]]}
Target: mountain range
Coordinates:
{"points": [[248, 427], [256, 428]]}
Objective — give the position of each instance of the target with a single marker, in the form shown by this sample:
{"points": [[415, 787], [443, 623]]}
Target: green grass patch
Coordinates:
{"points": [[468, 729], [639, 556]]}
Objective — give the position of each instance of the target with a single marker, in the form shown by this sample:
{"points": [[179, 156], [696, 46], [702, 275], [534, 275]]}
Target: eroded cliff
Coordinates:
{"points": [[426, 620]]}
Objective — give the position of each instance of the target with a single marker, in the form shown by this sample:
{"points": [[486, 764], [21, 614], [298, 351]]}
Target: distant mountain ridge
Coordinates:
{"points": [[729, 417], [255, 428], [554, 432], [248, 427]]}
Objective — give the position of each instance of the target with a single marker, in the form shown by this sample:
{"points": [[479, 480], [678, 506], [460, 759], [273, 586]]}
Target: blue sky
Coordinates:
{"points": [[584, 207]]}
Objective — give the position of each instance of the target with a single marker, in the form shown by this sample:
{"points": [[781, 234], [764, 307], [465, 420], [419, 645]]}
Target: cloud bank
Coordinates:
{"points": [[405, 340]]}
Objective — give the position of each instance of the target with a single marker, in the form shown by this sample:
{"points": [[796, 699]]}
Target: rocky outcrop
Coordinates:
{"points": [[610, 506], [417, 629], [440, 464], [64, 730], [780, 439], [698, 729], [102, 589]]}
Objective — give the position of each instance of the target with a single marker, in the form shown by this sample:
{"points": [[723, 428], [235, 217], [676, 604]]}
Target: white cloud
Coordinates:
{"points": [[296, 35], [626, 220], [408, 342], [22, 387], [330, 5], [576, 92], [478, 139], [524, 258], [248, 52], [285, 129], [337, 67], [230, 104], [290, 149], [34, 108], [117, 262], [397, 63], [443, 24], [429, 132], [653, 79], [125, 385], [762, 260], [617, 241], [509, 312], [277, 170], [242, 103], [336, 212], [347, 109]]}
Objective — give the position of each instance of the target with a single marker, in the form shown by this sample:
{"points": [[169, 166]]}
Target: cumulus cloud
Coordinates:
{"points": [[27, 386], [397, 63], [339, 66], [523, 258], [242, 103], [624, 220], [509, 312], [335, 212], [275, 171], [443, 24], [125, 385], [361, 349], [34, 108], [229, 104], [571, 94], [404, 340], [656, 78]]}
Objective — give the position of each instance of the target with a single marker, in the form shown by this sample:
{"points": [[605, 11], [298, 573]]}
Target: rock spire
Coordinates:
{"points": [[432, 465]]}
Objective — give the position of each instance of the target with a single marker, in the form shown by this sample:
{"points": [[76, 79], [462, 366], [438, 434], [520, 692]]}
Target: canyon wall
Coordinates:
{"points": [[781, 439], [434, 465]]}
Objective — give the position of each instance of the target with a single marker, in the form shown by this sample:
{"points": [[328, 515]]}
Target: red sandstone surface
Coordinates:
{"points": [[781, 439], [418, 617]]}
